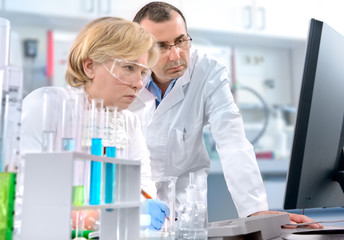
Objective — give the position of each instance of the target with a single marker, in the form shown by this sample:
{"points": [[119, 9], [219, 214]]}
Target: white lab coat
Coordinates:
{"points": [[174, 134], [32, 125]]}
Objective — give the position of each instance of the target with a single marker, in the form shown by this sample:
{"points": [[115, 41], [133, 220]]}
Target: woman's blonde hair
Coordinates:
{"points": [[108, 37]]}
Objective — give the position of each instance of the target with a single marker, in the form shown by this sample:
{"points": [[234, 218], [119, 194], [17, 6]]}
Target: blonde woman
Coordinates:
{"points": [[110, 59]]}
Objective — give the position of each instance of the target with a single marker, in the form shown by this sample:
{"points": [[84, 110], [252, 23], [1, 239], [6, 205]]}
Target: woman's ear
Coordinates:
{"points": [[88, 66]]}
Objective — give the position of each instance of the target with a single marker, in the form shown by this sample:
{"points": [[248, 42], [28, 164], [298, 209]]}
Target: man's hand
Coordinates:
{"points": [[158, 210], [294, 218]]}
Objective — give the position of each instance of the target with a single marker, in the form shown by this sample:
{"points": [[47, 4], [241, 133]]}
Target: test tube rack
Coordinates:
{"points": [[47, 198]]}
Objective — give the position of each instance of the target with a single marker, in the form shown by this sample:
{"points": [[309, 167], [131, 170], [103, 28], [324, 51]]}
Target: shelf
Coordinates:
{"points": [[45, 21], [205, 36], [235, 38], [109, 206], [82, 156], [47, 198]]}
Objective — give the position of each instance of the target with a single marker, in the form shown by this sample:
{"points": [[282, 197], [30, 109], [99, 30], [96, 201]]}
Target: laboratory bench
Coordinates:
{"points": [[291, 234], [334, 233]]}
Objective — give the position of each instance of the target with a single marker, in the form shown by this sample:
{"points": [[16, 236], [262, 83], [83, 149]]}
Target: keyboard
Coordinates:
{"points": [[263, 227]]}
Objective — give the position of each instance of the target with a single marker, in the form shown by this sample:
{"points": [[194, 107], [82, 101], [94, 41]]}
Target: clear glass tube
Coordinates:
{"points": [[97, 125], [80, 176], [72, 128], [11, 78], [50, 117], [80, 108], [4, 42], [68, 133], [110, 150], [4, 113]]}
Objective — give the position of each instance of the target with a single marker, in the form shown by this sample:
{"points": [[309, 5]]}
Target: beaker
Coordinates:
{"points": [[163, 190]]}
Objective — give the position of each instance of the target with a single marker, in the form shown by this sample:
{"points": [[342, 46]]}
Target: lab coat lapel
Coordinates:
{"points": [[173, 97], [143, 99]]}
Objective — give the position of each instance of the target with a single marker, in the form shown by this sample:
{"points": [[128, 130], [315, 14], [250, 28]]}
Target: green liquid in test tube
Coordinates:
{"points": [[68, 144], [78, 195]]}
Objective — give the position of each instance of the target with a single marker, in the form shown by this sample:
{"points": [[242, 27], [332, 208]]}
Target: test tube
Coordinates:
{"points": [[110, 151], [80, 174], [68, 133], [78, 107], [81, 105], [97, 125], [10, 177], [50, 116], [4, 113], [11, 77], [4, 41]]}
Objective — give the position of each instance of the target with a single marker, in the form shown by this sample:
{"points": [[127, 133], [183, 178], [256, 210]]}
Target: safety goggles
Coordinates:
{"points": [[128, 72]]}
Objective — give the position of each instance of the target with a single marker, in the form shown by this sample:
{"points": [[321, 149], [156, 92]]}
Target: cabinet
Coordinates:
{"points": [[270, 17], [228, 15], [267, 71], [47, 198], [287, 18], [86, 8], [127, 9]]}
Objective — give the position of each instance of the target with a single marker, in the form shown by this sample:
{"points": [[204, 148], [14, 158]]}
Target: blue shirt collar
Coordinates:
{"points": [[155, 90]]}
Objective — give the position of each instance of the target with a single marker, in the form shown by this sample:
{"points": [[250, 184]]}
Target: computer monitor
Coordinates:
{"points": [[315, 178]]}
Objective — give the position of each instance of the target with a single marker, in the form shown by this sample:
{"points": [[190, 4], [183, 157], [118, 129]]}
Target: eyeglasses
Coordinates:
{"points": [[128, 72], [183, 44]]}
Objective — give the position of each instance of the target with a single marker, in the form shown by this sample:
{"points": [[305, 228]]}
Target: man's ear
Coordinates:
{"points": [[88, 66]]}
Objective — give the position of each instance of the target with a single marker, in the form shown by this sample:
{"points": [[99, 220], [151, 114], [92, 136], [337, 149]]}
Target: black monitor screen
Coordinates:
{"points": [[317, 152]]}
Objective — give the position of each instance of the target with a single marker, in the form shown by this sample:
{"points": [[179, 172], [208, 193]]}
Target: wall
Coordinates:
{"points": [[275, 53]]}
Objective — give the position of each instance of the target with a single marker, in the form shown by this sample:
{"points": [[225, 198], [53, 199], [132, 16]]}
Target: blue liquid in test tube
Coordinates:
{"points": [[68, 144], [96, 169], [110, 179]]}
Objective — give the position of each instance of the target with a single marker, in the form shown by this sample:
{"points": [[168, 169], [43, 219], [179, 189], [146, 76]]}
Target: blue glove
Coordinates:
{"points": [[158, 210]]}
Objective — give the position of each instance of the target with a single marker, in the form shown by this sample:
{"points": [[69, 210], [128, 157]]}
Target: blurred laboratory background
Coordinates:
{"points": [[262, 42]]}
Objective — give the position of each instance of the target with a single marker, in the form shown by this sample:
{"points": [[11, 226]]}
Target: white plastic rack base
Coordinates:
{"points": [[47, 198]]}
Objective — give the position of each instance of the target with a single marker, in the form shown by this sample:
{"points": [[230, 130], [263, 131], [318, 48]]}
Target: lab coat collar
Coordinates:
{"points": [[144, 99], [147, 99], [173, 97]]}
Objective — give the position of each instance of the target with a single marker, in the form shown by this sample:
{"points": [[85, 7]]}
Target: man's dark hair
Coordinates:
{"points": [[157, 12]]}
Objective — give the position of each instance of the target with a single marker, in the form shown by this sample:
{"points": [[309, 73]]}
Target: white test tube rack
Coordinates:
{"points": [[47, 198]]}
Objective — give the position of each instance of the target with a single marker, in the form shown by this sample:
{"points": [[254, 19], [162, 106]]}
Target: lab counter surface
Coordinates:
{"points": [[291, 234], [328, 233]]}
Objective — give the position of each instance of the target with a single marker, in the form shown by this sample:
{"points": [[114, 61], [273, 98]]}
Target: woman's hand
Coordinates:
{"points": [[158, 210]]}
